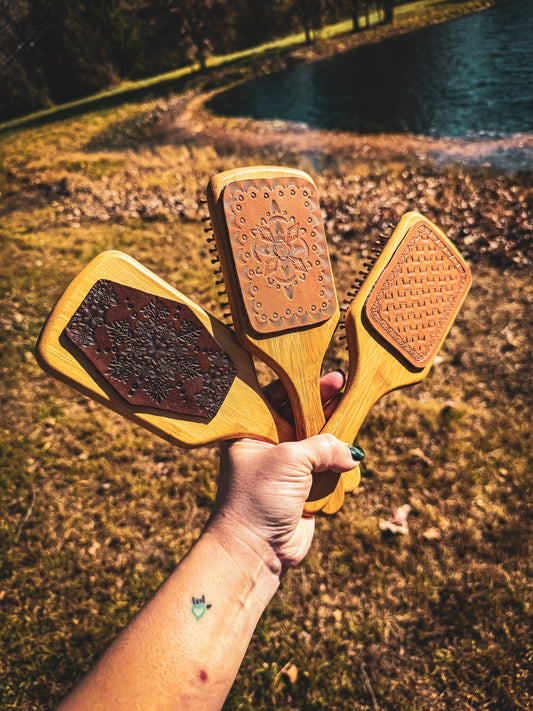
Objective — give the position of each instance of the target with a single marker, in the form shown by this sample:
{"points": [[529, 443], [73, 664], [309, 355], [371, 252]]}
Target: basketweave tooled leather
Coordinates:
{"points": [[417, 295], [153, 351], [279, 252]]}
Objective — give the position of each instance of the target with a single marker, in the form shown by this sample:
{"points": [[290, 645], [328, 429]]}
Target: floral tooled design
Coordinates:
{"points": [[152, 350], [282, 248], [91, 313], [279, 250]]}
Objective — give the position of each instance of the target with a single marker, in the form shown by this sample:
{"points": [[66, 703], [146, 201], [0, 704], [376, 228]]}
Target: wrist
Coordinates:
{"points": [[254, 557]]}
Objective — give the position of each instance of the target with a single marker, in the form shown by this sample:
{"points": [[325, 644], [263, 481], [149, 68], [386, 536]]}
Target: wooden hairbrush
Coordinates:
{"points": [[395, 326], [274, 262], [129, 340]]}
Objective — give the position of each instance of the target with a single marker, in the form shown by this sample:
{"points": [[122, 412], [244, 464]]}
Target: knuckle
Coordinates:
{"points": [[331, 444], [290, 450]]}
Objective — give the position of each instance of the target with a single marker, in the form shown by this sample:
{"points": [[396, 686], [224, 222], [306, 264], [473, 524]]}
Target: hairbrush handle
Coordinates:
{"points": [[129, 340], [274, 261], [364, 388], [395, 327], [299, 370]]}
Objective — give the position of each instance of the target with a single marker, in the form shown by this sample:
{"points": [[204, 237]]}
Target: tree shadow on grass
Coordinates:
{"points": [[101, 101]]}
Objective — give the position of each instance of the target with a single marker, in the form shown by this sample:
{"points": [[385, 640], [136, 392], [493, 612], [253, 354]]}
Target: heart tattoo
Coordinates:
{"points": [[199, 607]]}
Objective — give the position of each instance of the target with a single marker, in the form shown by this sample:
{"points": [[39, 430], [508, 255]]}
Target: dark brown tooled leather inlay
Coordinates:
{"points": [[153, 351], [280, 253], [417, 294]]}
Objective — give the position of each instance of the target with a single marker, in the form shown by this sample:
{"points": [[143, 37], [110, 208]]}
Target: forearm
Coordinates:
{"points": [[180, 653], [183, 650]]}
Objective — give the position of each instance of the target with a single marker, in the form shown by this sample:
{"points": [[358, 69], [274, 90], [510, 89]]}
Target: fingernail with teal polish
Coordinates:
{"points": [[357, 453]]}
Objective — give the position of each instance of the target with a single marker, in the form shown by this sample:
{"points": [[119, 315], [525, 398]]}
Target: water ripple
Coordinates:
{"points": [[470, 78]]}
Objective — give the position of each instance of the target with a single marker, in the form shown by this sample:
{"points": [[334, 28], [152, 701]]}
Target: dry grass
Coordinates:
{"points": [[95, 512]]}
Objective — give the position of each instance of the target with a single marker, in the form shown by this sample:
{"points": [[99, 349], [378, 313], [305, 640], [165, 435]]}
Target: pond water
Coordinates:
{"points": [[471, 77]]}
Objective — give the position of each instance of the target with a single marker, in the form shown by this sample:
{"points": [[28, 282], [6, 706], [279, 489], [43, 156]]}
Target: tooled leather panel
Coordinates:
{"points": [[417, 294], [153, 351], [279, 252]]}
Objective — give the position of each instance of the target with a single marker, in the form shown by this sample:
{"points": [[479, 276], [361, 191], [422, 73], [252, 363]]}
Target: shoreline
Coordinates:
{"points": [[190, 119]]}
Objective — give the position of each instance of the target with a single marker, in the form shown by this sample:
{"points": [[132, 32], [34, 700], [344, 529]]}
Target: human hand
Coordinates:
{"points": [[263, 487], [331, 385]]}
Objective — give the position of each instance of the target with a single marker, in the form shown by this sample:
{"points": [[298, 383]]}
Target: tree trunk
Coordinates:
{"points": [[389, 11], [306, 19], [356, 27]]}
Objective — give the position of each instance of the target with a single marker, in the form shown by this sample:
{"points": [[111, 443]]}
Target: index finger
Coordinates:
{"points": [[330, 385]]}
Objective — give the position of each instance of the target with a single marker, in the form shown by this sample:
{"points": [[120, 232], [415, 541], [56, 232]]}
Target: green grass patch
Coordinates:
{"points": [[95, 169]]}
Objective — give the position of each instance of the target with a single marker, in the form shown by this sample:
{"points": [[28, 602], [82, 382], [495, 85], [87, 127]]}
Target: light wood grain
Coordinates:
{"points": [[374, 369], [245, 411], [295, 356]]}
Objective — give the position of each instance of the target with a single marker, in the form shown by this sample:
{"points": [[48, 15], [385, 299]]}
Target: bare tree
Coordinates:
{"points": [[356, 11], [389, 11]]}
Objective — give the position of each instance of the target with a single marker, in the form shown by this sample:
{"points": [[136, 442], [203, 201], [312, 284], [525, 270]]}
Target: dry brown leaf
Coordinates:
{"points": [[290, 671], [398, 524], [419, 455], [93, 548], [432, 534]]}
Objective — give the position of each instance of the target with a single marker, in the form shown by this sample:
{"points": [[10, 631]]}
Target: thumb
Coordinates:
{"points": [[325, 452]]}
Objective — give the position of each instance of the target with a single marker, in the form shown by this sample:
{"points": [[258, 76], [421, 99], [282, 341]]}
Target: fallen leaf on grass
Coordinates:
{"points": [[290, 671], [398, 524], [305, 639], [510, 337], [93, 548], [418, 454], [432, 534]]}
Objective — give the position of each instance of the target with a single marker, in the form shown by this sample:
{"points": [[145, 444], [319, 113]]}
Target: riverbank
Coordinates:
{"points": [[278, 98], [190, 120]]}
